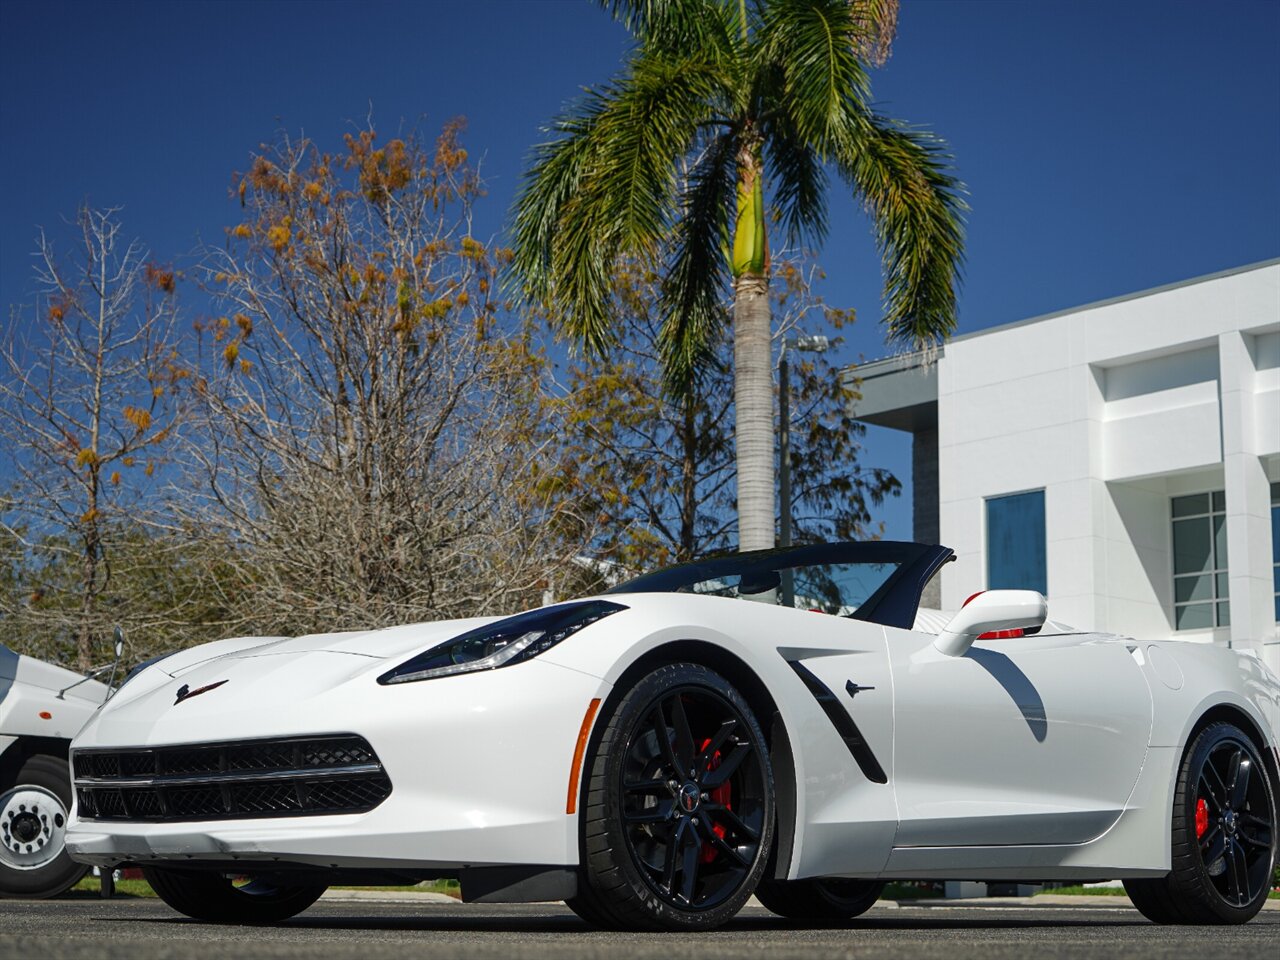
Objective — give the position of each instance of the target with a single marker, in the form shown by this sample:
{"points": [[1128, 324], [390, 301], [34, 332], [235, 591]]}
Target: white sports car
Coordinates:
{"points": [[785, 723]]}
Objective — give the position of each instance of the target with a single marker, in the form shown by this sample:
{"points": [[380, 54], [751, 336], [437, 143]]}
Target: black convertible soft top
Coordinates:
{"points": [[893, 604]]}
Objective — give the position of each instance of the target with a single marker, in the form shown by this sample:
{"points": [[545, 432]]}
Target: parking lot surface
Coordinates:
{"points": [[371, 929]]}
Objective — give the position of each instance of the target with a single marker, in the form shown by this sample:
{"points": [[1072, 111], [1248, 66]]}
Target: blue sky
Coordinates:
{"points": [[1108, 145]]}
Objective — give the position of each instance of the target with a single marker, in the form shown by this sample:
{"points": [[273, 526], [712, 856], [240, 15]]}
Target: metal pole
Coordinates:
{"points": [[784, 468], [784, 444]]}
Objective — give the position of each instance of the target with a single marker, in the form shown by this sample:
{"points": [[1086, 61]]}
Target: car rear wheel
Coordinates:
{"points": [[678, 815], [218, 898], [33, 826], [1224, 836], [819, 899]]}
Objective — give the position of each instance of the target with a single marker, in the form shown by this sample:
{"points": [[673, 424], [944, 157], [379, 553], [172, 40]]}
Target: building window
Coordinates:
{"points": [[1015, 543], [1275, 545], [1200, 561]]}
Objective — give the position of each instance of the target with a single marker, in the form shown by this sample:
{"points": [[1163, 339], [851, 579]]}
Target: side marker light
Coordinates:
{"points": [[584, 734]]}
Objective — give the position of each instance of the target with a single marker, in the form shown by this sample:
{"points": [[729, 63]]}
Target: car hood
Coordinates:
{"points": [[383, 644], [265, 676]]}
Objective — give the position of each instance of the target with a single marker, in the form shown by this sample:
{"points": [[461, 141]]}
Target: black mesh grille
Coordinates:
{"points": [[305, 776]]}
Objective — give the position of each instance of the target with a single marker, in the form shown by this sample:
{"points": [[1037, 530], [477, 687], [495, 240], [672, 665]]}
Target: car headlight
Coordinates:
{"points": [[512, 640]]}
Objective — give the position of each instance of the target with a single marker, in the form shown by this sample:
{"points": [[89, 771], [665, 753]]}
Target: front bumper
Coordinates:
{"points": [[480, 766]]}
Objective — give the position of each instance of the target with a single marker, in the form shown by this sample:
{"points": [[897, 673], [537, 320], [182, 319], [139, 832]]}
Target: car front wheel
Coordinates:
{"points": [[678, 817], [218, 898]]}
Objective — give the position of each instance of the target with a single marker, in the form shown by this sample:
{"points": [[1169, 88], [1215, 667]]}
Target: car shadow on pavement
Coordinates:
{"points": [[480, 922]]}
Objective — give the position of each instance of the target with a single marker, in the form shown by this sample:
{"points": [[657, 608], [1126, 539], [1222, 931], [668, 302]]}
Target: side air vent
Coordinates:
{"points": [[840, 719]]}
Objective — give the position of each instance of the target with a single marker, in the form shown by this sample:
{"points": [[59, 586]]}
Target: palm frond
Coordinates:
{"points": [[681, 26], [799, 181], [557, 168], [693, 314], [878, 25], [814, 46], [905, 177], [608, 187]]}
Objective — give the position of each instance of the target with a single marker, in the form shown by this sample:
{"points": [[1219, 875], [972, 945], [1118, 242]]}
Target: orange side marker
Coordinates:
{"points": [[584, 733], [46, 715]]}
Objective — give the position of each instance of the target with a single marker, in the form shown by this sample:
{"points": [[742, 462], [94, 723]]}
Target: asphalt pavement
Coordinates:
{"points": [[374, 929]]}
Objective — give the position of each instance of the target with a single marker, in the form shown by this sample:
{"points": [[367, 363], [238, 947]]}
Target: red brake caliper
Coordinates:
{"points": [[1202, 818], [722, 795]]}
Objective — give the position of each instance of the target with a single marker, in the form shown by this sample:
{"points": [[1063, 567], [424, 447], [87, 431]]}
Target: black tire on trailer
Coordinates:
{"points": [[216, 898], [679, 809], [1223, 840], [33, 818], [822, 899]]}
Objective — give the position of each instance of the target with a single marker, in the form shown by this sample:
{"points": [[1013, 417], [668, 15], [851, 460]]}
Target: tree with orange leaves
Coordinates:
{"points": [[371, 419], [88, 406]]}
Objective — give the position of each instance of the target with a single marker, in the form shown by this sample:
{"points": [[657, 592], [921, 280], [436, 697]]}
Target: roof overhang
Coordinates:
{"points": [[898, 392]]}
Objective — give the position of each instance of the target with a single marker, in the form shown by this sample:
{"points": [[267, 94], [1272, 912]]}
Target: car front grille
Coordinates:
{"points": [[293, 777]]}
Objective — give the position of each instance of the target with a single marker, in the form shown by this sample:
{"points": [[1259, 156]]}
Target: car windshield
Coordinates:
{"points": [[877, 580]]}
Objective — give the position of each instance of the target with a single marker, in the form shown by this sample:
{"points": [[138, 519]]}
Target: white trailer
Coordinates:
{"points": [[42, 707]]}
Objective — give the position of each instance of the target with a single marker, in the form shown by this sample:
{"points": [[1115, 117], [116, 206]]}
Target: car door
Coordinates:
{"points": [[1033, 740]]}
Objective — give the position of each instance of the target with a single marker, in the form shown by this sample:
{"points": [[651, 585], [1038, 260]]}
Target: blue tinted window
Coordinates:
{"points": [[1015, 543]]}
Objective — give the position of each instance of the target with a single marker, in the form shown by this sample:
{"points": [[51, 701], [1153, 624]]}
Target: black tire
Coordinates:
{"points": [[712, 829], [1223, 837], [41, 868], [820, 898], [215, 898]]}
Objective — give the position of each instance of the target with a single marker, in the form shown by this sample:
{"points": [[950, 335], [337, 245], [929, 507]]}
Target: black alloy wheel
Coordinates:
{"points": [[1233, 822], [679, 814], [1224, 835]]}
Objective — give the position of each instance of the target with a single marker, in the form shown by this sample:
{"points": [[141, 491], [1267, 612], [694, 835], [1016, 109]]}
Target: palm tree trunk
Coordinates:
{"points": [[753, 410]]}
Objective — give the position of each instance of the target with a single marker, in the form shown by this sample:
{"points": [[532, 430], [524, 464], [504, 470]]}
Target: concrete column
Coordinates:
{"points": [[924, 502], [1248, 498]]}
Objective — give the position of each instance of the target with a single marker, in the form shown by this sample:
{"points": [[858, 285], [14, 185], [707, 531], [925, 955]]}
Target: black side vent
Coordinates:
{"points": [[840, 719]]}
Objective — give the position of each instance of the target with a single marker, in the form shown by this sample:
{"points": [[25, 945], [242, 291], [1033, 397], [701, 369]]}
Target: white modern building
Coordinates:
{"points": [[1122, 457]]}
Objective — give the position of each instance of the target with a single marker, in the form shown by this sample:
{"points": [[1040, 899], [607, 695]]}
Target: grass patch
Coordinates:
{"points": [[1111, 892], [92, 886]]}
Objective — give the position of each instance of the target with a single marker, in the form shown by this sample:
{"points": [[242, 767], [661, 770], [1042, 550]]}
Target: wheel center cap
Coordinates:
{"points": [[1229, 821], [689, 797], [25, 828]]}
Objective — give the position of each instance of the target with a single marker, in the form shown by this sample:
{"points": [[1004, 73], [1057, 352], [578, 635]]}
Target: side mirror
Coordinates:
{"points": [[118, 634], [988, 612]]}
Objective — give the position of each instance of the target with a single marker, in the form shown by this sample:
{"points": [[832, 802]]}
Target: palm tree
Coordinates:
{"points": [[721, 106]]}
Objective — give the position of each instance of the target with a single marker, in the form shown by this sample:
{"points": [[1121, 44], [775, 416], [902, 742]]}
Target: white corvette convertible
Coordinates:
{"points": [[785, 723]]}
